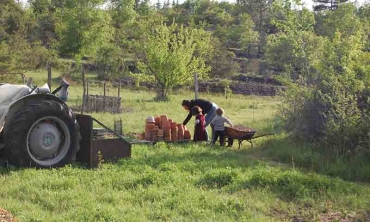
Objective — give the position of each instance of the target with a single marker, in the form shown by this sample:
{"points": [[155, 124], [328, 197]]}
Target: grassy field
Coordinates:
{"points": [[188, 182]]}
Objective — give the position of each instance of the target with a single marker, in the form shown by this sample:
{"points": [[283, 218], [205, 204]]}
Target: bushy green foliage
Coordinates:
{"points": [[327, 111], [325, 77]]}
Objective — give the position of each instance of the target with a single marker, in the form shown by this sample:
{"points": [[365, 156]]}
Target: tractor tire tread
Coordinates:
{"points": [[18, 128]]}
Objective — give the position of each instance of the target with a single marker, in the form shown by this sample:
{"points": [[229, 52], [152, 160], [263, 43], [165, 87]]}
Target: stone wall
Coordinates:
{"points": [[246, 87]]}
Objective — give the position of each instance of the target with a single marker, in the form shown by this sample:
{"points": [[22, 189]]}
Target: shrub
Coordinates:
{"points": [[326, 111]]}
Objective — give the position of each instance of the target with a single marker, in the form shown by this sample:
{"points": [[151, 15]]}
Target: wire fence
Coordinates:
{"points": [[105, 96]]}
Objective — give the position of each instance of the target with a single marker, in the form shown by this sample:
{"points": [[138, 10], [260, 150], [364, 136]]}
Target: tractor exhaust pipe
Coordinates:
{"points": [[63, 88]]}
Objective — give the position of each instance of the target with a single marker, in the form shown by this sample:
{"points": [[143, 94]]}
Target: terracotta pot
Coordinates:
{"points": [[160, 135], [166, 124], [167, 134], [148, 135], [157, 120], [180, 131], [164, 118], [154, 134], [187, 135], [150, 119]]}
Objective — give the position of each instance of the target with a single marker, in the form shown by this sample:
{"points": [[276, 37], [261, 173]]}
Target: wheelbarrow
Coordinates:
{"points": [[242, 133]]}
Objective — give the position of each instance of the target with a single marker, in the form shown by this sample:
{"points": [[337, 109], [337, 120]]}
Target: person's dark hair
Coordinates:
{"points": [[186, 103], [195, 110]]}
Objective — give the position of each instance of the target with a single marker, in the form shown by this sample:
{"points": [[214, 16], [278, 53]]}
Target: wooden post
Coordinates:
{"points": [[104, 86], [49, 76], [87, 87], [84, 89], [119, 89], [196, 85]]}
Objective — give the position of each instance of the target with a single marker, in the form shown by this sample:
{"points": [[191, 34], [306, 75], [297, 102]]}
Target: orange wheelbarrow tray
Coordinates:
{"points": [[242, 133]]}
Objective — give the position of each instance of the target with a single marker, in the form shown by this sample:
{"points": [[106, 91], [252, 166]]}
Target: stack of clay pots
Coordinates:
{"points": [[174, 131], [160, 135], [149, 126], [161, 128], [180, 131], [166, 127]]}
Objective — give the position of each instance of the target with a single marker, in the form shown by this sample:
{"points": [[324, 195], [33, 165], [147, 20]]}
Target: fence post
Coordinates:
{"points": [[87, 87], [119, 89], [49, 76], [104, 86], [84, 89], [196, 85]]}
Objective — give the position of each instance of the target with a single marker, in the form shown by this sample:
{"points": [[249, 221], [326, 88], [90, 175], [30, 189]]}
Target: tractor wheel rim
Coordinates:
{"points": [[48, 141]]}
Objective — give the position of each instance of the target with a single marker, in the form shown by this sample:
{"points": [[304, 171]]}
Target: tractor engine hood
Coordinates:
{"points": [[9, 94]]}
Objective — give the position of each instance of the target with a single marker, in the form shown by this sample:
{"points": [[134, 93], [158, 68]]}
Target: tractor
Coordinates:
{"points": [[37, 128]]}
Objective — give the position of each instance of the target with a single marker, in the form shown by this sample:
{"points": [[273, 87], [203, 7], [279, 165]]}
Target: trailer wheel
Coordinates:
{"points": [[42, 135]]}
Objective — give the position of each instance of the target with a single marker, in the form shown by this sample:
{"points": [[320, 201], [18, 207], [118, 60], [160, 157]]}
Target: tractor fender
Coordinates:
{"points": [[28, 100]]}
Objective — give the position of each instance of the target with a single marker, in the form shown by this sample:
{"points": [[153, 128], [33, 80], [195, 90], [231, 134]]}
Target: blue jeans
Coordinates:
{"points": [[209, 117]]}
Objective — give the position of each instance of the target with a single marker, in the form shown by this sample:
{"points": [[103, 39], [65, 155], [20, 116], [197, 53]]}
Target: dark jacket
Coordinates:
{"points": [[204, 104]]}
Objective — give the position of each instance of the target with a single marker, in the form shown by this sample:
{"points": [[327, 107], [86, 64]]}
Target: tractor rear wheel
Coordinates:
{"points": [[42, 135]]}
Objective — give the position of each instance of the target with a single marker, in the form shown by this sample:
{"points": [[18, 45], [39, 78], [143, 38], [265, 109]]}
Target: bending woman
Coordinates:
{"points": [[208, 109]]}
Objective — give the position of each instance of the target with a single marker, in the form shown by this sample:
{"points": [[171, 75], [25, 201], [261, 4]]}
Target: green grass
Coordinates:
{"points": [[188, 182], [177, 182]]}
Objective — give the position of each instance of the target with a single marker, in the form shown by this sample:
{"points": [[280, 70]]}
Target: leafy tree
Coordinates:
{"points": [[259, 11], [242, 34], [12, 19], [82, 27], [110, 61], [123, 12], [295, 49], [174, 53], [343, 19], [223, 64], [364, 16], [158, 5], [327, 4], [19, 55]]}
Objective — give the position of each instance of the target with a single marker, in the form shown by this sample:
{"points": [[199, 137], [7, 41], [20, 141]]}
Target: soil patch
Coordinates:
{"points": [[5, 216]]}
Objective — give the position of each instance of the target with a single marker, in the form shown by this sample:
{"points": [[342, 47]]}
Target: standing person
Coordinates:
{"points": [[199, 129], [219, 126], [208, 109]]}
